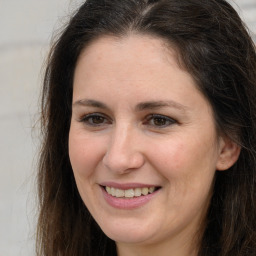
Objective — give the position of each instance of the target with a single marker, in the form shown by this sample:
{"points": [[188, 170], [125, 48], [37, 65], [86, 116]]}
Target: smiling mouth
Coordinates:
{"points": [[130, 193]]}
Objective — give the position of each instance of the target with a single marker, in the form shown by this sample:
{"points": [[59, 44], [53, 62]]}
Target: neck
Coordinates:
{"points": [[180, 246]]}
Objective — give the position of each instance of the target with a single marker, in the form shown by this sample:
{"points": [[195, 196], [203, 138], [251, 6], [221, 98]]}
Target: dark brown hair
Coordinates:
{"points": [[215, 48]]}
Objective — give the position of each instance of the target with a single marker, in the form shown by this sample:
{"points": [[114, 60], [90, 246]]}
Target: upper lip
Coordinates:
{"points": [[125, 186]]}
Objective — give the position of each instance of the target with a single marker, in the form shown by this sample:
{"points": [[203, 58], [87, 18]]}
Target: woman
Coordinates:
{"points": [[149, 120]]}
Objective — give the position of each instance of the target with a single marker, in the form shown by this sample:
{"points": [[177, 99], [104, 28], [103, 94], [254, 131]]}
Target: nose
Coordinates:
{"points": [[123, 151]]}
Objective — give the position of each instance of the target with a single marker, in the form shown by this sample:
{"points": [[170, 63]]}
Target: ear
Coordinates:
{"points": [[229, 152]]}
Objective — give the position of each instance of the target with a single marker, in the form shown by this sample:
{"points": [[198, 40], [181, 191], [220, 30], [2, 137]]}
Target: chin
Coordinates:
{"points": [[132, 238], [128, 233]]}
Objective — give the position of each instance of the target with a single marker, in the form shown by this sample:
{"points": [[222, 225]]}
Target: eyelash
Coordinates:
{"points": [[90, 119], [162, 118]]}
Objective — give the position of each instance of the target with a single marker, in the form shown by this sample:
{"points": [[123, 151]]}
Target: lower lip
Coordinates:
{"points": [[127, 203]]}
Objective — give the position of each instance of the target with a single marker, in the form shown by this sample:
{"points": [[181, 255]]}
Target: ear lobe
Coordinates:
{"points": [[229, 153]]}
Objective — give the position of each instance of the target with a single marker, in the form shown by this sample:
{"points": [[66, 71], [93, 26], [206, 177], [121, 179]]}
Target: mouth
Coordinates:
{"points": [[131, 192], [128, 196]]}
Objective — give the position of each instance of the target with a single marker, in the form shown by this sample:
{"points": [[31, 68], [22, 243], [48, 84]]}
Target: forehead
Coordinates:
{"points": [[132, 59], [130, 46], [139, 57], [132, 69]]}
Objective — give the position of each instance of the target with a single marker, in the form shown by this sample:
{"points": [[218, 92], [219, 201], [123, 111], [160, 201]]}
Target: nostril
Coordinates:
{"points": [[123, 162]]}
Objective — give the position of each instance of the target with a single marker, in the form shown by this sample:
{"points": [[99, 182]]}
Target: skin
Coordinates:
{"points": [[123, 143]]}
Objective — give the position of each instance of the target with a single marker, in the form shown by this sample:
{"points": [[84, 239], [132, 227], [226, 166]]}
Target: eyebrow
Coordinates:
{"points": [[148, 105], [90, 103], [153, 105]]}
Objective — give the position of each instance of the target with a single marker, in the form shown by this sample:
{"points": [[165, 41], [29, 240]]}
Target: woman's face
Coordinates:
{"points": [[142, 143]]}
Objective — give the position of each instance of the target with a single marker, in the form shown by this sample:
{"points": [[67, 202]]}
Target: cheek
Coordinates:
{"points": [[85, 153], [188, 155], [188, 167], [169, 157]]}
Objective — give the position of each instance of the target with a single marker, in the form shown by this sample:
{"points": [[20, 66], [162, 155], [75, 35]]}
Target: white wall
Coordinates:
{"points": [[247, 10], [25, 31]]}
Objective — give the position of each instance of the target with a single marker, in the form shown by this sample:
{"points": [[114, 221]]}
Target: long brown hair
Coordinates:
{"points": [[215, 48]]}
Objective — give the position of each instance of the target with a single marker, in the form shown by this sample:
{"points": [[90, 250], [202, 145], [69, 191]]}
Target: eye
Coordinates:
{"points": [[95, 119], [159, 121]]}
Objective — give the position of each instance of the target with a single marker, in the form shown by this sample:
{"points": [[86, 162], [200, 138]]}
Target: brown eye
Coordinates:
{"points": [[159, 121], [95, 119]]}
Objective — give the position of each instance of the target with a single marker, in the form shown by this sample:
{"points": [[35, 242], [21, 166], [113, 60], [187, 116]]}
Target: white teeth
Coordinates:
{"points": [[119, 193], [113, 192], [137, 191], [130, 193], [108, 190], [144, 191], [151, 190]]}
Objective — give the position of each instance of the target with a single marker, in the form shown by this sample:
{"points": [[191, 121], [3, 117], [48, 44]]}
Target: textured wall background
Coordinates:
{"points": [[25, 32]]}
